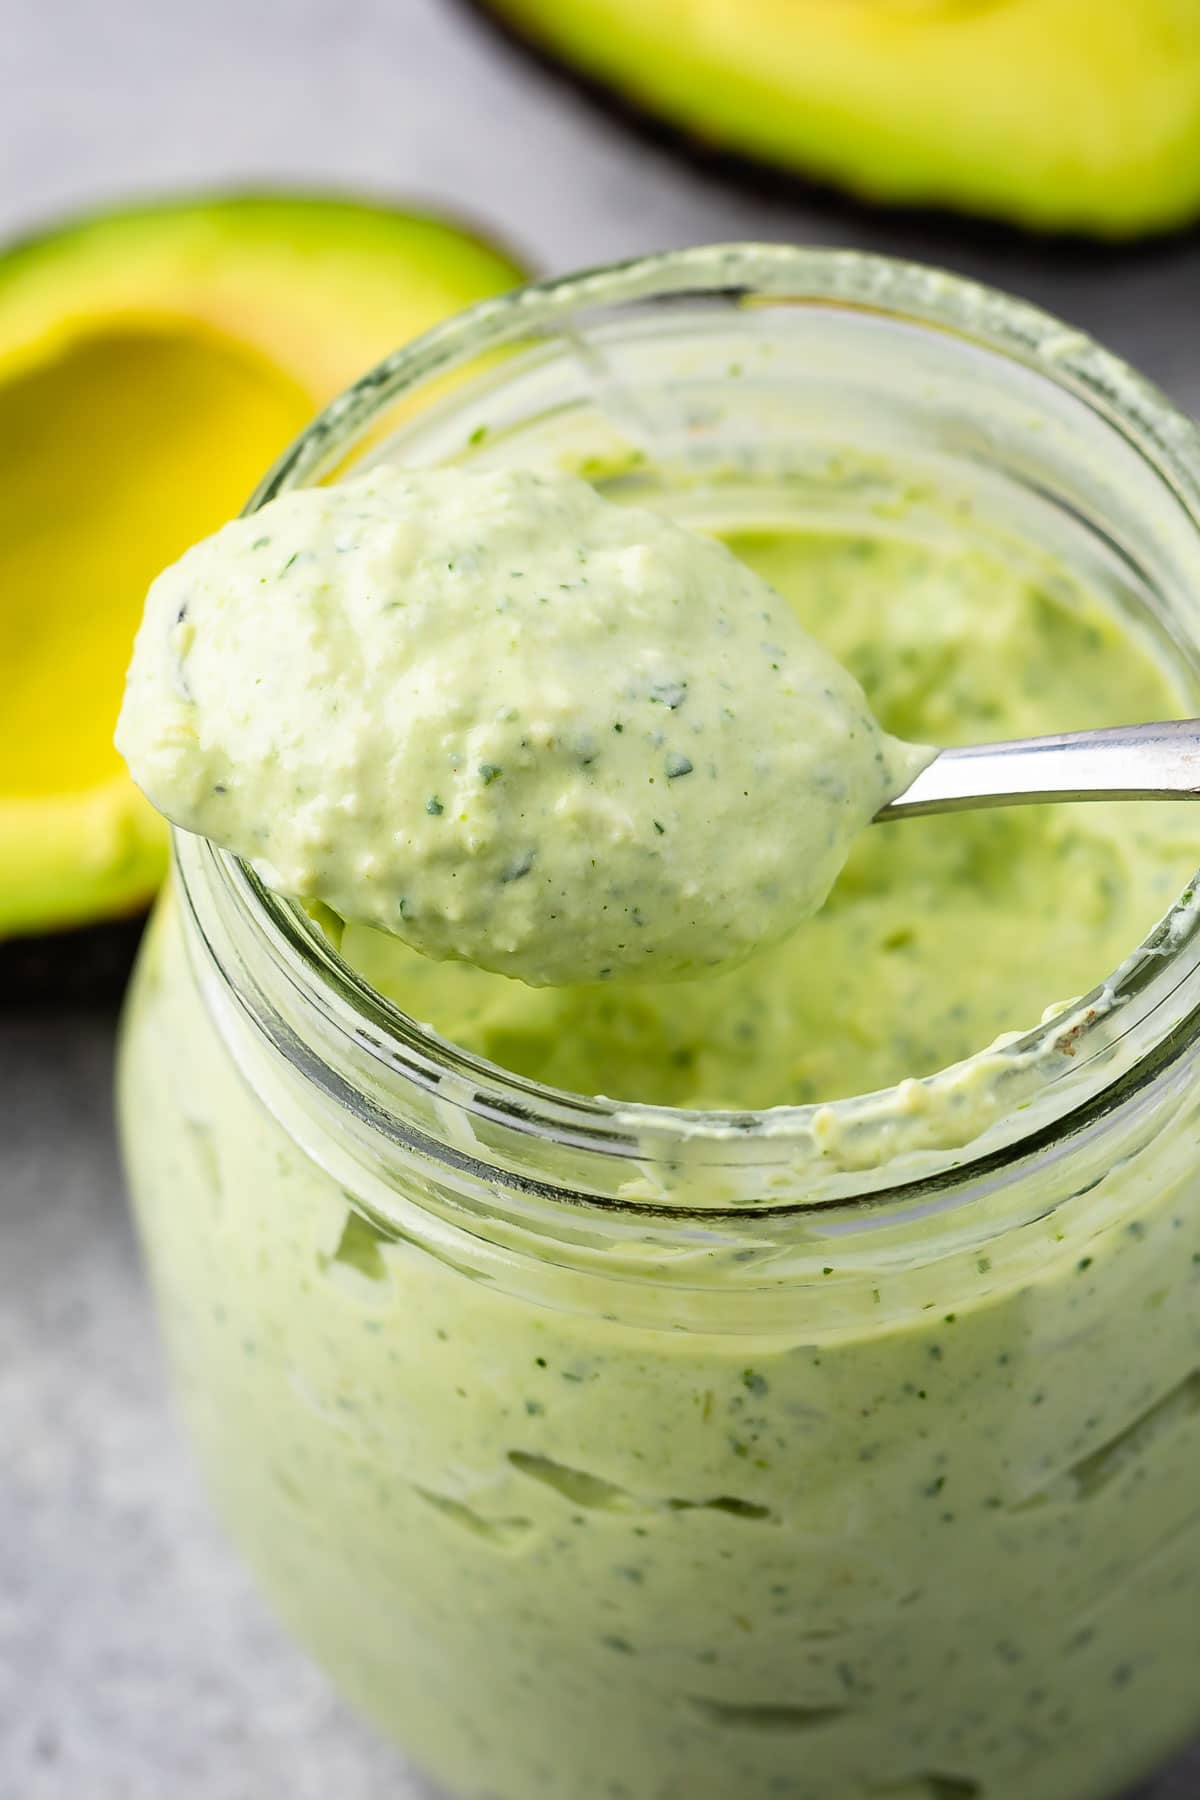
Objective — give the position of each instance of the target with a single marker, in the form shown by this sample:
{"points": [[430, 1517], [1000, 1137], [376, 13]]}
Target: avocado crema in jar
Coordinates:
{"points": [[608, 1452]]}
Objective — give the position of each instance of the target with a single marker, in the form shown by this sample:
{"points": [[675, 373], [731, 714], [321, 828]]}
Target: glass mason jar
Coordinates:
{"points": [[610, 1452]]}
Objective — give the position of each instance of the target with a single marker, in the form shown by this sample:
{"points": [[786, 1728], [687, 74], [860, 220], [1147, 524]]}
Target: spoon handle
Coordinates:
{"points": [[1123, 762]]}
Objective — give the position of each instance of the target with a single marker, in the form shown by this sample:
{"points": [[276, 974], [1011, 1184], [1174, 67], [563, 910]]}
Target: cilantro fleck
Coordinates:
{"points": [[670, 694], [490, 772], [519, 866], [434, 807], [677, 765]]}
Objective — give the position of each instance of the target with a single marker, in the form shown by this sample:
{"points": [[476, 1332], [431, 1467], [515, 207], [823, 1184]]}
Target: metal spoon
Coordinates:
{"points": [[1122, 762]]}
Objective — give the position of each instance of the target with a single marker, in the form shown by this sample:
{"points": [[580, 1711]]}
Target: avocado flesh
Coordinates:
{"points": [[1058, 115], [152, 366], [88, 515]]}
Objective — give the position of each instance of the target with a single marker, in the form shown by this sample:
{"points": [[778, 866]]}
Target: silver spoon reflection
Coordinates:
{"points": [[1122, 762]]}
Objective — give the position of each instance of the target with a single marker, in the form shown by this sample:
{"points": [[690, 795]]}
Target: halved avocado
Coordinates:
{"points": [[152, 364], [1060, 115]]}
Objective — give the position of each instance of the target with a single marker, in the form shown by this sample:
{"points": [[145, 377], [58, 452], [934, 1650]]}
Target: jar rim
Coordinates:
{"points": [[1054, 1076]]}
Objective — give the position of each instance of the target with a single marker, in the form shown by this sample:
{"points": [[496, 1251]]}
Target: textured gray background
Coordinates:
{"points": [[135, 1661]]}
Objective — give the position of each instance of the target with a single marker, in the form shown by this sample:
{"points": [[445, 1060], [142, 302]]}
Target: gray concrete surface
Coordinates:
{"points": [[136, 1663]]}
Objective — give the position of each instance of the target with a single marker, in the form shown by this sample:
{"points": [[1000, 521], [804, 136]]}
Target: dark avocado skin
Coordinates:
{"points": [[926, 232], [85, 967]]}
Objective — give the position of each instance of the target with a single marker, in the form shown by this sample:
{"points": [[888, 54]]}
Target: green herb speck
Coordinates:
{"points": [[519, 866], [670, 694]]}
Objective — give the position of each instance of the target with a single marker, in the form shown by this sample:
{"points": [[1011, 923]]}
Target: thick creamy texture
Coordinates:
{"points": [[942, 933], [922, 1521], [508, 722]]}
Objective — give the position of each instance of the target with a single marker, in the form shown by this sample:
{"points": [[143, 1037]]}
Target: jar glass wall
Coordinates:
{"points": [[600, 1451]]}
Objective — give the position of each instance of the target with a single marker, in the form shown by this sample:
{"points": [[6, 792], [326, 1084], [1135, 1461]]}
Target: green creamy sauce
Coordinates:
{"points": [[507, 721], [918, 1524], [941, 933]]}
